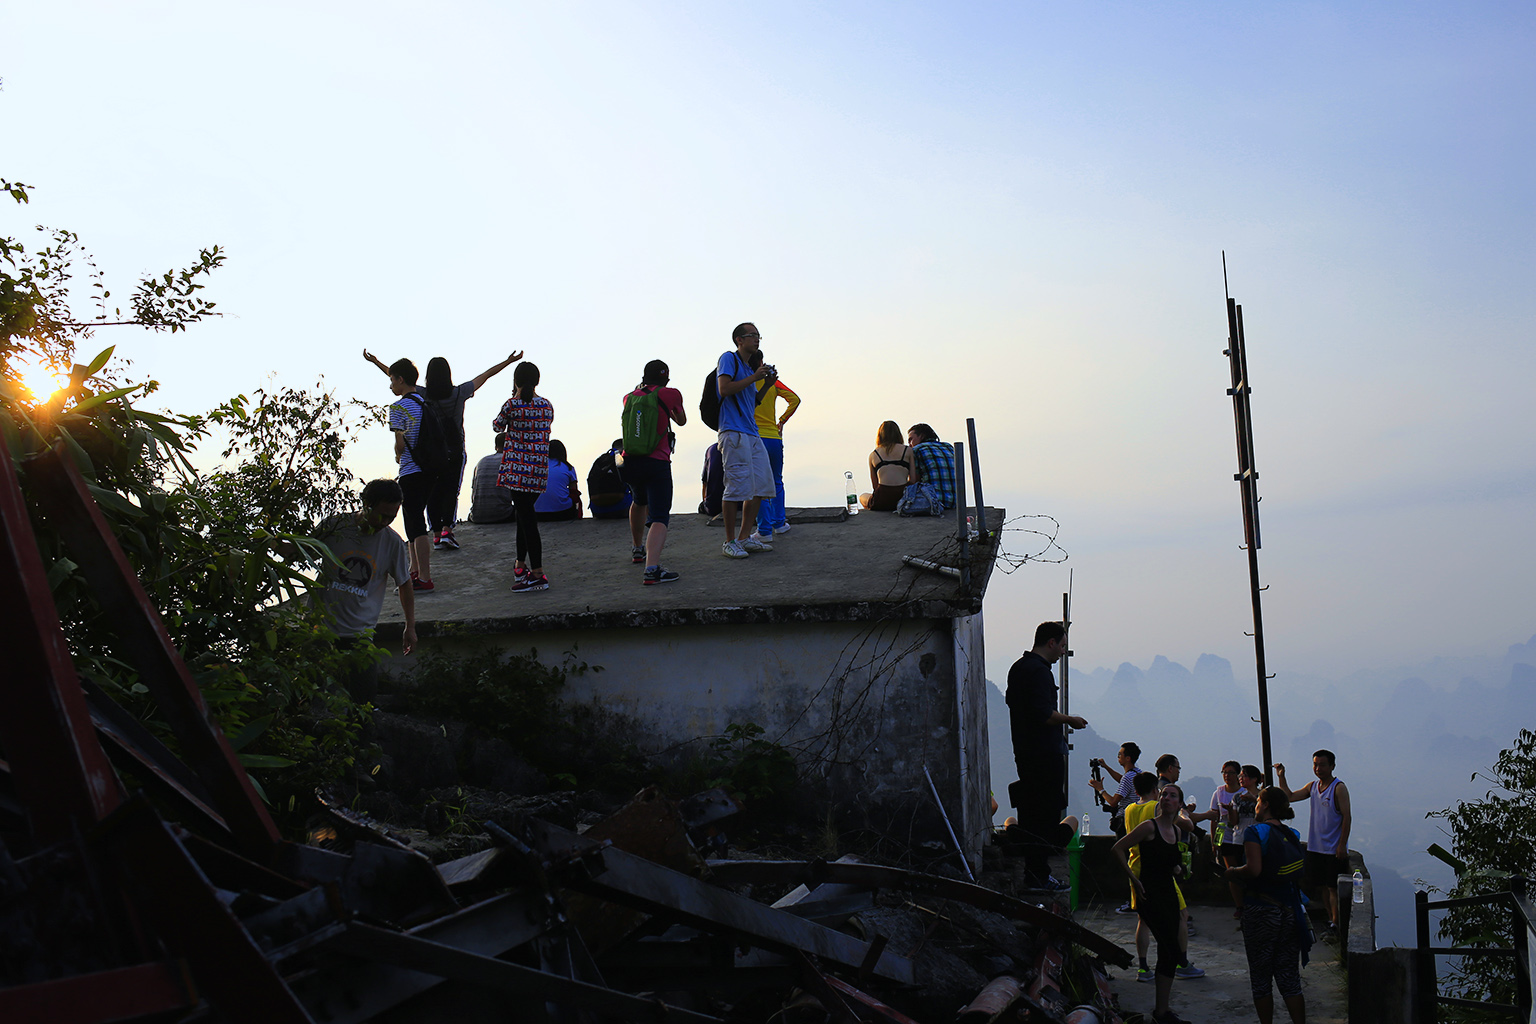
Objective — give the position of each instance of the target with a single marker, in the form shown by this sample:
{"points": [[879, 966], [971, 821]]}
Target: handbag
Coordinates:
{"points": [[920, 499]]}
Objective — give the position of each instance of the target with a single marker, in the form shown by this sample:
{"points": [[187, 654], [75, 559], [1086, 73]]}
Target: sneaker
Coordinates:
{"points": [[1168, 1017], [529, 583], [660, 574], [1188, 971], [755, 543], [1052, 882], [445, 541], [1146, 974], [637, 556], [733, 549], [1125, 908], [519, 573], [418, 584], [437, 542], [783, 528]]}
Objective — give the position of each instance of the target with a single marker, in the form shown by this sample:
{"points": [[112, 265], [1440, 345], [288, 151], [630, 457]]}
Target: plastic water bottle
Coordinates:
{"points": [[1086, 830], [853, 499], [1359, 887]]}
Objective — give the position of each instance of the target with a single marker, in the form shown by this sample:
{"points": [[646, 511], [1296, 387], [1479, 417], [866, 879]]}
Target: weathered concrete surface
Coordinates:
{"points": [[819, 571], [1223, 995]]}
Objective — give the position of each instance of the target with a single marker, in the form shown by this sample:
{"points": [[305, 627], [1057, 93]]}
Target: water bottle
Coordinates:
{"points": [[853, 498], [1359, 887], [1086, 830]]}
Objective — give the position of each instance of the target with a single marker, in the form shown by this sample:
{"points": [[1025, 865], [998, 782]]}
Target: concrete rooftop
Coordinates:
{"points": [[827, 568]]}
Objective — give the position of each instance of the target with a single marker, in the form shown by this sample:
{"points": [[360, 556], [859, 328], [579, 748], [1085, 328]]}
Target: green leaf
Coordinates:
{"points": [[105, 396], [101, 359], [59, 571], [252, 730], [265, 761]]}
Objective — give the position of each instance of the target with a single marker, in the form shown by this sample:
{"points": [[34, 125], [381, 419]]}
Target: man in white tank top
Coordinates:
{"points": [[1328, 836]]}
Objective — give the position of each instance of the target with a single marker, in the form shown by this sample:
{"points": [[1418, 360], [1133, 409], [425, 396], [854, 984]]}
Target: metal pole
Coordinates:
{"points": [[1427, 989], [1519, 887], [960, 529], [1247, 477], [981, 508]]}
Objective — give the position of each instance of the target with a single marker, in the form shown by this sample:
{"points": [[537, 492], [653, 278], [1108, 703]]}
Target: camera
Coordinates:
{"points": [[1097, 762]]}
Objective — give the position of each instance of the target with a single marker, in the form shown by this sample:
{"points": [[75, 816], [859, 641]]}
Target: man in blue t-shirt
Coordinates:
{"points": [[748, 474]]}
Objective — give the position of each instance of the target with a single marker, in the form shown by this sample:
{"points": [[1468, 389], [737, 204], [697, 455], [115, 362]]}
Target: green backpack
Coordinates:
{"points": [[642, 422]]}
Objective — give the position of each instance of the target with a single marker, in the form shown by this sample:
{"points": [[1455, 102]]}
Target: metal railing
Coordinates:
{"points": [[1524, 915]]}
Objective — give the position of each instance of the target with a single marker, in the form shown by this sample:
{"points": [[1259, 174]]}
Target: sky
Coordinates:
{"points": [[1009, 211]]}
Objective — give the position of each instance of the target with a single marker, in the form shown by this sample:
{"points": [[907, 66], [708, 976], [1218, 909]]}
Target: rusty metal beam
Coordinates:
{"points": [[66, 501], [736, 872], [60, 772], [418, 954], [187, 915], [635, 881]]}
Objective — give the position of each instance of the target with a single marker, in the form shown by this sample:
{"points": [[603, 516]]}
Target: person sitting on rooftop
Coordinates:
{"points": [[489, 502], [933, 462], [561, 499], [890, 466]]}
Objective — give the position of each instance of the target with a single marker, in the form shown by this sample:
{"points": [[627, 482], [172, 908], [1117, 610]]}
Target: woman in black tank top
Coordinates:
{"points": [[889, 451], [1157, 896]]}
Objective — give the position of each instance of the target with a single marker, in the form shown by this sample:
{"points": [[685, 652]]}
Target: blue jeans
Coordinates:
{"points": [[771, 512]]}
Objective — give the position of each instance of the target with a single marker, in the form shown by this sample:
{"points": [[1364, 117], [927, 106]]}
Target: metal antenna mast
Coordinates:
{"points": [[1247, 478]]}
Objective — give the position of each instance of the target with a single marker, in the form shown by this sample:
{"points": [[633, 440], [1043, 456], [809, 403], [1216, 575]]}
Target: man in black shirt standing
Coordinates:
{"points": [[1040, 751]]}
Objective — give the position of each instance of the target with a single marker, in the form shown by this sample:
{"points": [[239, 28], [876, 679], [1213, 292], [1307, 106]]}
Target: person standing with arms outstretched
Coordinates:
{"points": [[1327, 832], [526, 419], [748, 475]]}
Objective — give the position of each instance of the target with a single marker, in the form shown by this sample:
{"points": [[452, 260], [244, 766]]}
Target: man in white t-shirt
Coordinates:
{"points": [[367, 550]]}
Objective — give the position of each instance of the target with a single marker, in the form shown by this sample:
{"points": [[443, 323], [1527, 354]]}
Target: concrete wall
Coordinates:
{"points": [[865, 706], [975, 750]]}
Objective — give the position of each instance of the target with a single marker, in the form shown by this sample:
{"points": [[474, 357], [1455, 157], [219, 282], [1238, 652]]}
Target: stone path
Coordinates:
{"points": [[1223, 995]]}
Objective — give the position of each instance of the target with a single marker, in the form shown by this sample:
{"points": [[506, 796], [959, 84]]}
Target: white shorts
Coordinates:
{"points": [[747, 472]]}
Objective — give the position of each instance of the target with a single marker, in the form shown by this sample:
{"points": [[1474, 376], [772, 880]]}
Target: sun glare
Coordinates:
{"points": [[42, 381]]}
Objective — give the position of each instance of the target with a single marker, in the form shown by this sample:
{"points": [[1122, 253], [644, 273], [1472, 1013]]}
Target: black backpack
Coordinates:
{"points": [[604, 484], [433, 453], [709, 402]]}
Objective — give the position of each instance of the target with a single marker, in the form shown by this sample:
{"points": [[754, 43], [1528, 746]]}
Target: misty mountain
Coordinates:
{"points": [[1408, 740]]}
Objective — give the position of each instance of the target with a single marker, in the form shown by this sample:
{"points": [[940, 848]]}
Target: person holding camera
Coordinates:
{"points": [[1156, 890], [748, 474], [1125, 795]]}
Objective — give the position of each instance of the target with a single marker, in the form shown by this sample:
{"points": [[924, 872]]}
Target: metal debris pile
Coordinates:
{"points": [[111, 909]]}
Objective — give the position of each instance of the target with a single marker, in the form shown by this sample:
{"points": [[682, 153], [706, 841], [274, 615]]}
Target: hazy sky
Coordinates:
{"points": [[1009, 211]]}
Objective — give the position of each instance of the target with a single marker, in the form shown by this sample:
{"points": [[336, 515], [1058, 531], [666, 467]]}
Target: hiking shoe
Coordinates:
{"points": [[781, 528], [733, 549], [637, 556], [418, 584], [1188, 971], [660, 574], [1146, 974], [1125, 908], [755, 543], [445, 541], [529, 583]]}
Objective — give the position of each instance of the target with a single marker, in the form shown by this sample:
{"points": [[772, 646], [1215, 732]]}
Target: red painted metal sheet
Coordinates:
{"points": [[59, 769], [120, 994], [67, 502]]}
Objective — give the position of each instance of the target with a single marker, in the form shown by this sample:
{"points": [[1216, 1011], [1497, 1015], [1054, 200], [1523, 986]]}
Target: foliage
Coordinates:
{"points": [[513, 697], [223, 557], [744, 763], [1491, 839]]}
